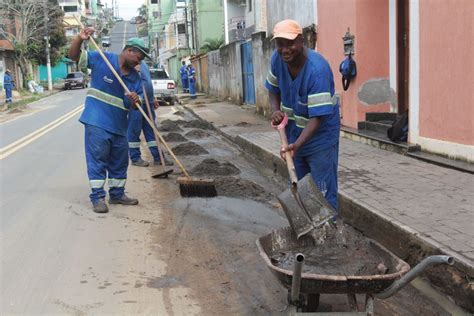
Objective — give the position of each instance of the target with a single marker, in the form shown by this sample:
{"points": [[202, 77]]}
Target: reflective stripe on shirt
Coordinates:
{"points": [[117, 183], [106, 98], [288, 111], [272, 79], [321, 99]]}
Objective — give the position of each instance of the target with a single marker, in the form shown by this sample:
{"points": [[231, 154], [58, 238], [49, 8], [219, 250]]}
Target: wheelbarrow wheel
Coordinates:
{"points": [[312, 302]]}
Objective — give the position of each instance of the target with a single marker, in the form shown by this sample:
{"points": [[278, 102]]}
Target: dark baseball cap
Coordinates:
{"points": [[139, 44]]}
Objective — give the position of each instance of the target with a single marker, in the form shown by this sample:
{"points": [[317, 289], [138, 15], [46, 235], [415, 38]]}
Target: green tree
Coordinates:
{"points": [[23, 25], [211, 44], [142, 12]]}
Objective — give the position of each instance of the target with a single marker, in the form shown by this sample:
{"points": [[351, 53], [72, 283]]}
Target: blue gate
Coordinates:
{"points": [[247, 73]]}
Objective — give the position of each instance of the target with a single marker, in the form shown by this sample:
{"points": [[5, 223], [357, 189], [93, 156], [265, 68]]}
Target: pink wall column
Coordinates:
{"points": [[368, 20], [446, 63]]}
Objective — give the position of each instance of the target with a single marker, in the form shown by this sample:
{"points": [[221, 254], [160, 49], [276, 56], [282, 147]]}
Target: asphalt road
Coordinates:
{"points": [[120, 34]]}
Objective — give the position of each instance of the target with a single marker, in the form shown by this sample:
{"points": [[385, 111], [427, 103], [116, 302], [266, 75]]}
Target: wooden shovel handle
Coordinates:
{"points": [[288, 158], [139, 107]]}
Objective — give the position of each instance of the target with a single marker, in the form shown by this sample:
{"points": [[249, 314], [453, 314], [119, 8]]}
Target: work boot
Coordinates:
{"points": [[124, 200], [167, 162], [99, 206], [140, 163]]}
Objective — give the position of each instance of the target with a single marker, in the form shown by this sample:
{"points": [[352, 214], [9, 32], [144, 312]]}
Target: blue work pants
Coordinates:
{"points": [[8, 93], [192, 88], [137, 123], [323, 167], [106, 156]]}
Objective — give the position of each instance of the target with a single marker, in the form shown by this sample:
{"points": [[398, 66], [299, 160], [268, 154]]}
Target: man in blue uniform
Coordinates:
{"points": [[192, 81], [183, 71], [137, 123], [105, 117], [8, 86], [300, 84]]}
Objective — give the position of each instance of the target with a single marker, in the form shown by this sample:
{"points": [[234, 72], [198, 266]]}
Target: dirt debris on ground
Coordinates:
{"points": [[174, 137], [237, 187], [169, 126], [243, 124], [198, 124], [215, 168], [189, 149], [197, 133], [179, 113]]}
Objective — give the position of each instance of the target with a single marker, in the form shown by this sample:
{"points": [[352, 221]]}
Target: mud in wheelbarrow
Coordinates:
{"points": [[357, 265]]}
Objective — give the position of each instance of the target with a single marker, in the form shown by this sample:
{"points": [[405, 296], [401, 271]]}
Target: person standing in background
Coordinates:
{"points": [[8, 85], [137, 123], [192, 81], [183, 71]]}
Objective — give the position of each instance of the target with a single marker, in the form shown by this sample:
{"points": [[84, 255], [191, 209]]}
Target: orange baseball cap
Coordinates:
{"points": [[288, 29]]}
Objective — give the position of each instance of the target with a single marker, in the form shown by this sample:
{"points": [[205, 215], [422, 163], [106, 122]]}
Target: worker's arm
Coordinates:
{"points": [[75, 49]]}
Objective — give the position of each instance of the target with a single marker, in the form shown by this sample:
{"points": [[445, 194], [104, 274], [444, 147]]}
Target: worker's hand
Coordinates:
{"points": [[86, 33], [277, 117], [156, 103], [134, 99], [291, 148]]}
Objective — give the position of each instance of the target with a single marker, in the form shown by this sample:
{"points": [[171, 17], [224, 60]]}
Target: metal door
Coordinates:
{"points": [[247, 73]]}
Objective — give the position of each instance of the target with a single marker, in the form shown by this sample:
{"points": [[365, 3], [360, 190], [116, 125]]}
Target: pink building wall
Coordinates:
{"points": [[446, 63], [368, 21]]}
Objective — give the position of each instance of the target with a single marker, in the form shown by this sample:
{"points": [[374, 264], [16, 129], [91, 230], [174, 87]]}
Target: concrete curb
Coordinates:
{"points": [[403, 241]]}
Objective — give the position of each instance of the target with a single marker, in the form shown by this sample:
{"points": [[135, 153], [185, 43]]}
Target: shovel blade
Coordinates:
{"points": [[318, 209]]}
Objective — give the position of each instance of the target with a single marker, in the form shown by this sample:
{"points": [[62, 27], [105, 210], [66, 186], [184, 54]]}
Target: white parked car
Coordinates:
{"points": [[164, 87]]}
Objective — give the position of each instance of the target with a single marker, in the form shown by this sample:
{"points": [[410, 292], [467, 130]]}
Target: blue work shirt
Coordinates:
{"points": [[184, 72], [7, 80], [310, 94], [106, 104]]}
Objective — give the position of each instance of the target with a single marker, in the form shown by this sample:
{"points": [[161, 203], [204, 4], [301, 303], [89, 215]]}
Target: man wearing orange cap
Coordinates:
{"points": [[300, 85]]}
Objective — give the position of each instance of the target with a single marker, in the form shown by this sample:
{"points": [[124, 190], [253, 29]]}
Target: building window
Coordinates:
{"points": [[70, 8], [181, 28], [250, 5]]}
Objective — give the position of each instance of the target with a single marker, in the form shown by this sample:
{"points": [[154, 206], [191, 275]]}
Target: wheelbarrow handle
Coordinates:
{"points": [[413, 273]]}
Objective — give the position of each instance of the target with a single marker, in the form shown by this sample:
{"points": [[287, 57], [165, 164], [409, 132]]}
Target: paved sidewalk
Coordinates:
{"points": [[433, 204]]}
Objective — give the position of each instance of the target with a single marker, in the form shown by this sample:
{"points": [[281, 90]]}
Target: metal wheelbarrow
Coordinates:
{"points": [[291, 261]]}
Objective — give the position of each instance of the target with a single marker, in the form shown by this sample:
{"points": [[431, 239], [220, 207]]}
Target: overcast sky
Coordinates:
{"points": [[126, 8]]}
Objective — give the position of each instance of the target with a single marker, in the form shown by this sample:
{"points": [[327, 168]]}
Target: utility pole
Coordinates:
{"points": [[194, 25], [186, 29], [48, 59], [226, 23]]}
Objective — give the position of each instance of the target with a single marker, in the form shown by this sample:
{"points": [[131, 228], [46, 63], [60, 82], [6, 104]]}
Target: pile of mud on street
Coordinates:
{"points": [[209, 244]]}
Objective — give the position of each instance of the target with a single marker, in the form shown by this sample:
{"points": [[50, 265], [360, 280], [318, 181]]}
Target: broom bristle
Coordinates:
{"points": [[192, 187]]}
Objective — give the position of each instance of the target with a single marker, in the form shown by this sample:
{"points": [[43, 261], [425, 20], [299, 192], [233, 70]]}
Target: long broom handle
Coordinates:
{"points": [[136, 104], [148, 107]]}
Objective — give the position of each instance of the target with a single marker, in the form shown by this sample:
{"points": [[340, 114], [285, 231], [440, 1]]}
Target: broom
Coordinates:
{"points": [[188, 186]]}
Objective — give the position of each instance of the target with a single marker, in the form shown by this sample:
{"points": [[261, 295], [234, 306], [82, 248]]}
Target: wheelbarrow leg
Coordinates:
{"points": [[312, 302], [353, 302], [369, 304]]}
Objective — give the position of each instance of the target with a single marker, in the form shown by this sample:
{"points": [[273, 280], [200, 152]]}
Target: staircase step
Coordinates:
{"points": [[378, 140], [374, 126], [380, 116]]}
